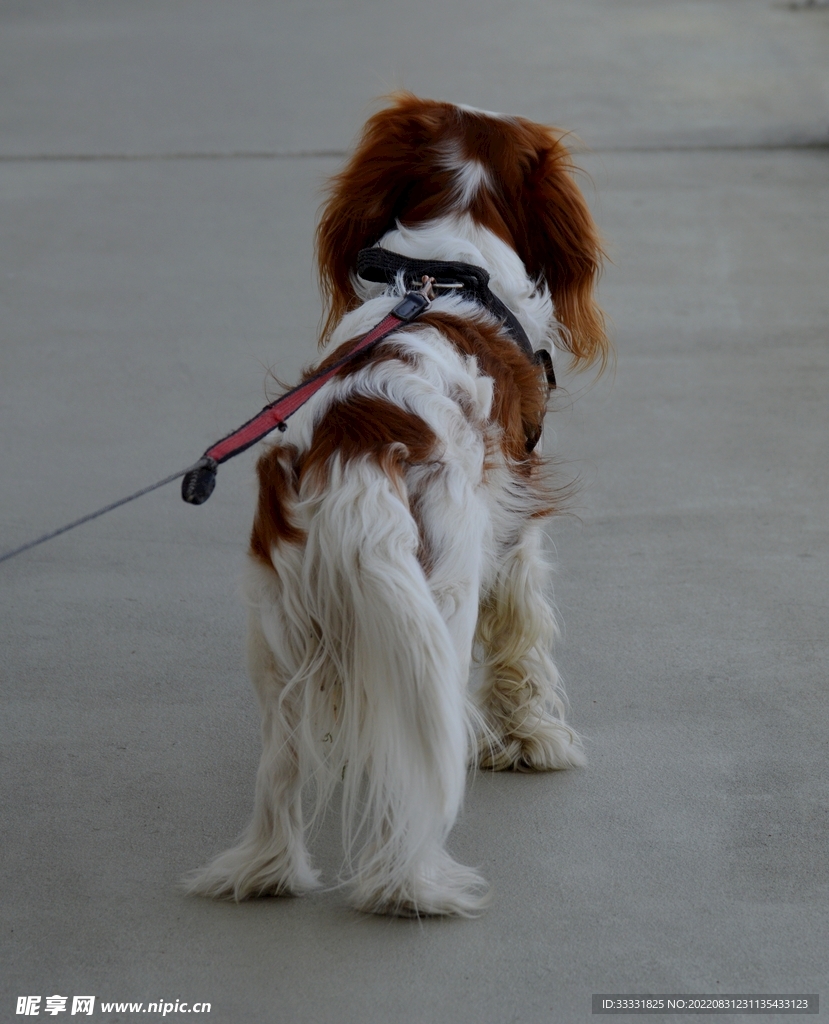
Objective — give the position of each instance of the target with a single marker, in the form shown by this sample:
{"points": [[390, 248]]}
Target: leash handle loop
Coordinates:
{"points": [[198, 482]]}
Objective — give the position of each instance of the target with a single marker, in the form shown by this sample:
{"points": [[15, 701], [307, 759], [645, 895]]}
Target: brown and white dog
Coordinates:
{"points": [[398, 534]]}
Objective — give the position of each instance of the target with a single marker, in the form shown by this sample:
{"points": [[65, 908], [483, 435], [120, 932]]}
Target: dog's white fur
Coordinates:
{"points": [[360, 654]]}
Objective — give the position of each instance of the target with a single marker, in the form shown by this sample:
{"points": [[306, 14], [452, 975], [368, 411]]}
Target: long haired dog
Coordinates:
{"points": [[398, 532]]}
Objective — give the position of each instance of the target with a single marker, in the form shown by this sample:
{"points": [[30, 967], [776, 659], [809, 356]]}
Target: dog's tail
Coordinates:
{"points": [[385, 696]]}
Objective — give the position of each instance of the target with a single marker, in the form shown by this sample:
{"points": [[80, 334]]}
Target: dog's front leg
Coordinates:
{"points": [[522, 698]]}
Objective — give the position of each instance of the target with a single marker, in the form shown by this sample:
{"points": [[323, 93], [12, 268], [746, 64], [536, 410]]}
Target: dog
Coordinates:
{"points": [[398, 536]]}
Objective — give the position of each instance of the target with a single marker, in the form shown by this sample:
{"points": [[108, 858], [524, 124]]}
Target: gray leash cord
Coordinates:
{"points": [[94, 515]]}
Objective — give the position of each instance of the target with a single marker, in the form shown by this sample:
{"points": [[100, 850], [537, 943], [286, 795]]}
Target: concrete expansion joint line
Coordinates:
{"points": [[815, 143], [306, 154], [718, 147]]}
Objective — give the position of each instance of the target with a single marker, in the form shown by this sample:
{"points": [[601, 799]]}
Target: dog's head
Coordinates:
{"points": [[421, 159]]}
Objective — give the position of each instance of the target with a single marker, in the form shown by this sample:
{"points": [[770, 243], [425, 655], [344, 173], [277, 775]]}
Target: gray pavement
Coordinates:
{"points": [[159, 167]]}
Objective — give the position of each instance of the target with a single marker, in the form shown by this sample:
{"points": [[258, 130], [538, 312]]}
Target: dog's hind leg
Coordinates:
{"points": [[271, 858], [522, 699]]}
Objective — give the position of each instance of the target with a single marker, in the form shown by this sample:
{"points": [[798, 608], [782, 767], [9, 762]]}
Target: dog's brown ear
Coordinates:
{"points": [[392, 175], [535, 205], [559, 241]]}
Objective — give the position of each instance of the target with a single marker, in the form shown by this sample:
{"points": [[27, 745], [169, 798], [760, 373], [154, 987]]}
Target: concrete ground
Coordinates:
{"points": [[159, 167]]}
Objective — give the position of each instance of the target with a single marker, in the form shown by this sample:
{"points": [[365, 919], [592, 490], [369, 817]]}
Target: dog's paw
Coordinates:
{"points": [[442, 888], [248, 871], [543, 743]]}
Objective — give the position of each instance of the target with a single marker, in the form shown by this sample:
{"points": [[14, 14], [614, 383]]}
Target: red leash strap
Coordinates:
{"points": [[198, 483]]}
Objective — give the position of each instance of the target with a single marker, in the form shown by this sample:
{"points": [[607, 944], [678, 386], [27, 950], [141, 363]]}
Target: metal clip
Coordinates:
{"points": [[412, 304]]}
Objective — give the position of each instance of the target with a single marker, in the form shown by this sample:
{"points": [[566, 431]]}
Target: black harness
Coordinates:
{"points": [[465, 279]]}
